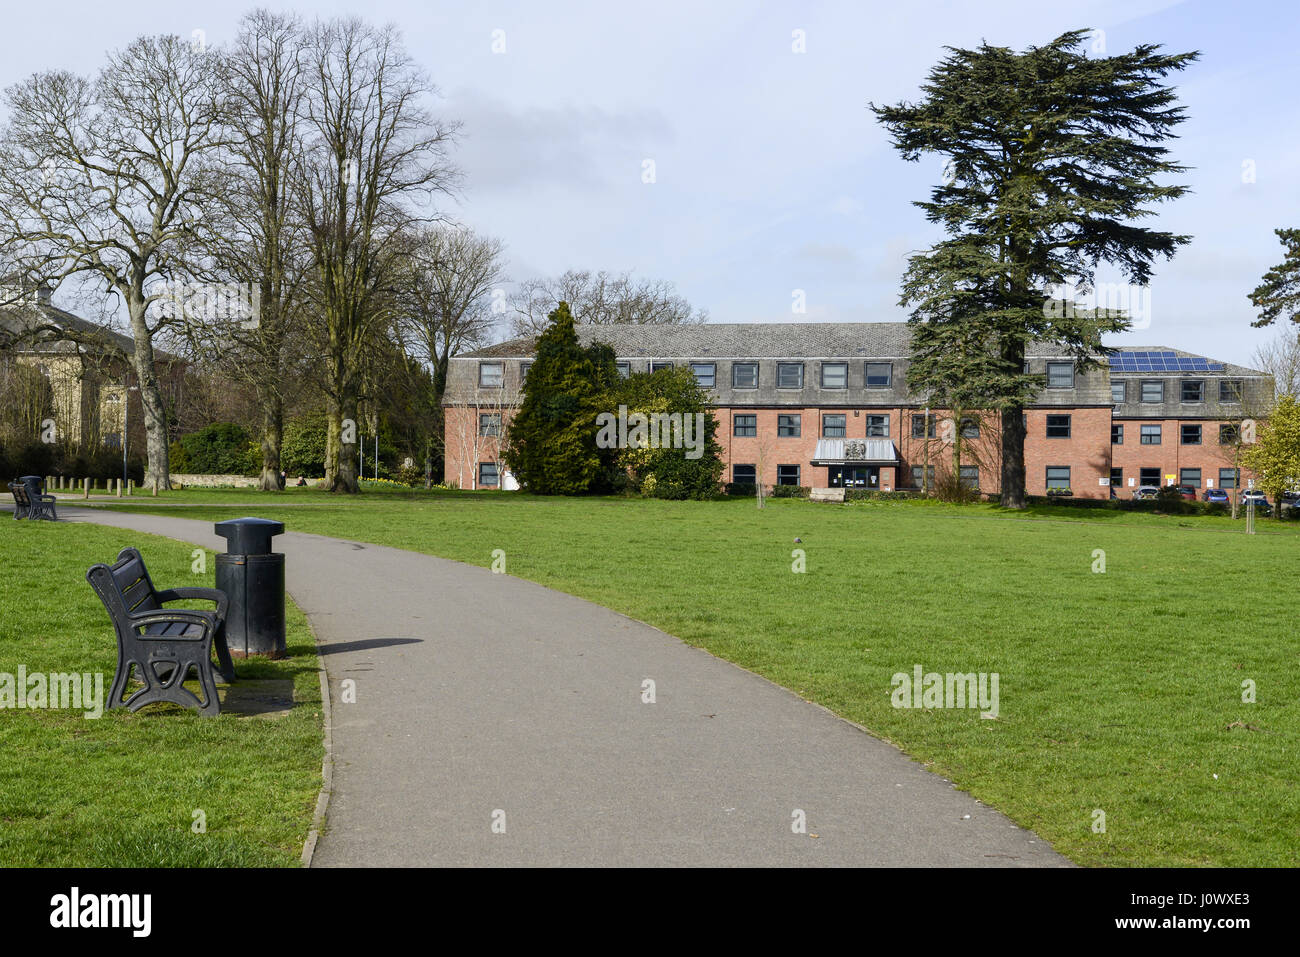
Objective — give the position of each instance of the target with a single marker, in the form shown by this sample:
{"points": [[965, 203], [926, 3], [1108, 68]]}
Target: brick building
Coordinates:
{"points": [[827, 405]]}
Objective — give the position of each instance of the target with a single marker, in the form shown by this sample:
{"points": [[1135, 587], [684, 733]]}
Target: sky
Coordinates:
{"points": [[771, 177]]}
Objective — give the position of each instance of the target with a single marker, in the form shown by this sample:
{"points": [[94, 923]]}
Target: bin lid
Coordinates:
{"points": [[248, 536]]}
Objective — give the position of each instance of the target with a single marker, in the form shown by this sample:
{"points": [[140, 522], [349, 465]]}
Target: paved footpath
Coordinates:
{"points": [[478, 694]]}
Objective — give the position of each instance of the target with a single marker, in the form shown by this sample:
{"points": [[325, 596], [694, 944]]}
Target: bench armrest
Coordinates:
{"points": [[172, 616], [202, 594]]}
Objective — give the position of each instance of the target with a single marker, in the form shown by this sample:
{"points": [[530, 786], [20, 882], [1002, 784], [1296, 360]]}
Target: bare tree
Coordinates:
{"points": [[372, 155], [108, 179], [600, 299], [1281, 359]]}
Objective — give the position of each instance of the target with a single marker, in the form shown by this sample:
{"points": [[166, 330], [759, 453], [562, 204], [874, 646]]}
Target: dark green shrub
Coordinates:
{"points": [[791, 491]]}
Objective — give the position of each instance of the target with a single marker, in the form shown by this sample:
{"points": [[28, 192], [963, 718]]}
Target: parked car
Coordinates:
{"points": [[1146, 491], [1187, 492], [1289, 500], [1259, 498], [1216, 495]]}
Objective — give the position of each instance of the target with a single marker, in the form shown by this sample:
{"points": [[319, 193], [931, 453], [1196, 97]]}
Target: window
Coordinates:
{"points": [[880, 375], [1150, 435], [656, 366], [1229, 390], [1149, 476], [523, 370], [970, 428], [624, 369], [704, 374], [1058, 476], [1116, 434], [833, 426], [1060, 375], [970, 477], [489, 423], [922, 429], [1058, 426], [745, 426], [744, 474], [1229, 434], [789, 375], [877, 426], [488, 477], [1190, 477], [1153, 390], [787, 475], [788, 426], [744, 375], [835, 375], [1116, 478], [1193, 390], [489, 375], [1190, 434], [1227, 478], [1118, 391], [919, 479]]}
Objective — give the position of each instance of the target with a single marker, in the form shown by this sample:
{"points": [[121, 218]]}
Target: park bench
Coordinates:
{"points": [[162, 643], [32, 503]]}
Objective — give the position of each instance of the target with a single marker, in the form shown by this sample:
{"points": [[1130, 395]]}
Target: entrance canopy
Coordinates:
{"points": [[855, 452]]}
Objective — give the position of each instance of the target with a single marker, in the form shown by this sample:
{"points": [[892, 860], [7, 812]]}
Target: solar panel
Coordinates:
{"points": [[1161, 361]]}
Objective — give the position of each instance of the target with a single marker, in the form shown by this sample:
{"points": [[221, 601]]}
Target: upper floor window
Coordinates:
{"points": [[789, 375], [490, 375], [744, 425], [788, 426], [744, 375], [624, 368], [704, 374], [877, 426], [656, 366], [489, 423], [835, 375], [523, 370], [1191, 434], [1193, 390], [1229, 390], [1118, 391], [1150, 435], [921, 428], [970, 427], [1060, 375], [880, 375], [1153, 390], [1058, 426], [833, 426]]}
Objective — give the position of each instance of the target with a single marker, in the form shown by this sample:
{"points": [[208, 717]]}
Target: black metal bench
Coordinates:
{"points": [[31, 502], [162, 643]]}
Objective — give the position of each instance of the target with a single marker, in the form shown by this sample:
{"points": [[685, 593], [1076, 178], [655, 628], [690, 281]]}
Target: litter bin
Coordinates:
{"points": [[35, 485], [252, 576]]}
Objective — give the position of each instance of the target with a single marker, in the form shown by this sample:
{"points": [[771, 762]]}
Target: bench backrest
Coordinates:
{"points": [[19, 491], [125, 586]]}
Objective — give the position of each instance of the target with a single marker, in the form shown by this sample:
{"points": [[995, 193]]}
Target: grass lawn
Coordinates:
{"points": [[1119, 691], [122, 790]]}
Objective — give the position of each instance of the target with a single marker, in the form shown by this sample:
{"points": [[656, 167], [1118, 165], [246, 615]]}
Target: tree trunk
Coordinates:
{"points": [[157, 470], [341, 447], [272, 439], [1013, 458]]}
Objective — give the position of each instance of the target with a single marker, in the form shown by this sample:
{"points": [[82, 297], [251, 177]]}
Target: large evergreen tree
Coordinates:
{"points": [[552, 448], [1279, 292], [1054, 156]]}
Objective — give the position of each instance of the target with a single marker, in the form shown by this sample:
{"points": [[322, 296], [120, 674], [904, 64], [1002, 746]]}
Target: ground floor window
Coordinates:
{"points": [[970, 477], [925, 478], [744, 474], [488, 476], [787, 475], [1058, 477], [1149, 476], [1116, 478], [853, 476], [1190, 477], [1227, 478]]}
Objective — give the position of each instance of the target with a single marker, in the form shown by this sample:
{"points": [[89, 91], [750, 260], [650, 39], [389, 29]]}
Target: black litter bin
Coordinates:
{"points": [[35, 484], [252, 576]]}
